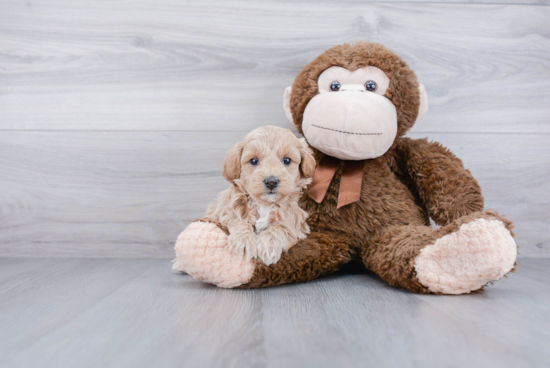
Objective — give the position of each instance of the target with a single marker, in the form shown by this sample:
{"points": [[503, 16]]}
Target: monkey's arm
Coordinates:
{"points": [[202, 251], [448, 190]]}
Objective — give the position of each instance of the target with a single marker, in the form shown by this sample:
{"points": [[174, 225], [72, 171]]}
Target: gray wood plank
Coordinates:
{"points": [[177, 65], [498, 2], [106, 194], [136, 313], [366, 323], [16, 272], [129, 194], [155, 318], [535, 269], [48, 296], [515, 2], [526, 337]]}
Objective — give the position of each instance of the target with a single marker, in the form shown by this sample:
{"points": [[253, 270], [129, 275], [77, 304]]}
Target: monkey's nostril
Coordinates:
{"points": [[271, 182]]}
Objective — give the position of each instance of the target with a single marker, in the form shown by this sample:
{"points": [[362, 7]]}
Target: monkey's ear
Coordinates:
{"points": [[232, 164], [423, 108], [308, 164], [286, 104]]}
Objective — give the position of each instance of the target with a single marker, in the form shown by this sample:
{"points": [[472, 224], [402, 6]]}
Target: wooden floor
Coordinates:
{"points": [[137, 313]]}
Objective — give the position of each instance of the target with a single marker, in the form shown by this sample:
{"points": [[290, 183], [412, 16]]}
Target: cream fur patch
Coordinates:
{"points": [[263, 221], [202, 251], [479, 252]]}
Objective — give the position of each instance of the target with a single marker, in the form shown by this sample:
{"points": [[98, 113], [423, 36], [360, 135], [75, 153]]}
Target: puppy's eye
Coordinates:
{"points": [[287, 161], [254, 161], [371, 86], [335, 86]]}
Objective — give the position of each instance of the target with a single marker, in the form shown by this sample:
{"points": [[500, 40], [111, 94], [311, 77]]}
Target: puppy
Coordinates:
{"points": [[268, 171]]}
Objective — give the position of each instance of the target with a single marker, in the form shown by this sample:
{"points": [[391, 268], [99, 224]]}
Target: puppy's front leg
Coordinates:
{"points": [[242, 239], [272, 242]]}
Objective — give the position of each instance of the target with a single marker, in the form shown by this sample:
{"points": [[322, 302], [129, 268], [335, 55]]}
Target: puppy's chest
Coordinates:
{"points": [[264, 218]]}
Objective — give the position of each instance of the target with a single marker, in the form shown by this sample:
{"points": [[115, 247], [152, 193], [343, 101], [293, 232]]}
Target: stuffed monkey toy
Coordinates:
{"points": [[373, 191]]}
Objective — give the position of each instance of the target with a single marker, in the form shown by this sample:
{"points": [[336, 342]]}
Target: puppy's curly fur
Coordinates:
{"points": [[263, 222]]}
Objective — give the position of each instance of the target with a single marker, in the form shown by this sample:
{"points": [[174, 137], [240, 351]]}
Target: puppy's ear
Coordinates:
{"points": [[232, 164], [308, 164]]}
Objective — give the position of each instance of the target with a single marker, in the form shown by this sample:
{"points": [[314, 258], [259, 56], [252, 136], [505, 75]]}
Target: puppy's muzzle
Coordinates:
{"points": [[271, 182]]}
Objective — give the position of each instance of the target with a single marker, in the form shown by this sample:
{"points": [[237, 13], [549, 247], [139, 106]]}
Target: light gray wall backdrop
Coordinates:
{"points": [[115, 116]]}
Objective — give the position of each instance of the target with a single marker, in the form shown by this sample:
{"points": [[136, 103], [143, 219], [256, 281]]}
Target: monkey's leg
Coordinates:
{"points": [[203, 252], [320, 254], [458, 258]]}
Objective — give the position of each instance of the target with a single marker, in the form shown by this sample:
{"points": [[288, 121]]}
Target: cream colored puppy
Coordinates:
{"points": [[268, 171]]}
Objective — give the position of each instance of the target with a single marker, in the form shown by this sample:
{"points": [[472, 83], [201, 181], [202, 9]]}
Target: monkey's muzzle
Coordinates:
{"points": [[350, 125]]}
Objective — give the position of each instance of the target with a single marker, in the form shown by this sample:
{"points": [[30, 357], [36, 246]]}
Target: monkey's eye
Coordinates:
{"points": [[287, 161], [335, 86], [254, 162], [371, 86]]}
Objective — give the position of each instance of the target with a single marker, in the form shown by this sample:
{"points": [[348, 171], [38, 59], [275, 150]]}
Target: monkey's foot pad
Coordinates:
{"points": [[202, 251], [466, 260]]}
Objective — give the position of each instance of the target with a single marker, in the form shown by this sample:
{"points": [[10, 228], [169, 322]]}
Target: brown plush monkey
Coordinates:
{"points": [[373, 191]]}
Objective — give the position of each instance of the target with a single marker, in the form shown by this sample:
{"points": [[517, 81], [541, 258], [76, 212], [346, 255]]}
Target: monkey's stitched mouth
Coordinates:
{"points": [[342, 131]]}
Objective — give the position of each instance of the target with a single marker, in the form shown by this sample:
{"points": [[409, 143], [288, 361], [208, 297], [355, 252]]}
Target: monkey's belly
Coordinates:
{"points": [[385, 201]]}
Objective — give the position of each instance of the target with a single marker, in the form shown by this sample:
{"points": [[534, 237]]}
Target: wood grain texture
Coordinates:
{"points": [[401, 325], [223, 65], [528, 295], [136, 313], [129, 194], [120, 313], [44, 299], [110, 194], [513, 2], [115, 116]]}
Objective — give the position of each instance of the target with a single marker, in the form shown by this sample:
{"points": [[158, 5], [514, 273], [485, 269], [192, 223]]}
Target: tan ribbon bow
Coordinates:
{"points": [[350, 183]]}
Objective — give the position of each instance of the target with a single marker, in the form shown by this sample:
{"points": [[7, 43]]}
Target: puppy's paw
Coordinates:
{"points": [[303, 234], [270, 248], [243, 244]]}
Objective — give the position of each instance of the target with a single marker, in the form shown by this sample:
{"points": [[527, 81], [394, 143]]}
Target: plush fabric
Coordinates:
{"points": [[363, 137], [478, 253], [201, 251], [403, 90], [388, 228]]}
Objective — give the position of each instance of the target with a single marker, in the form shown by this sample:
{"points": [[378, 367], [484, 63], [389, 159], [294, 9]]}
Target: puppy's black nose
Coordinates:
{"points": [[271, 182]]}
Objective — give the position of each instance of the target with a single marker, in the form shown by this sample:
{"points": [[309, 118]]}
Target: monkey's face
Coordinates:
{"points": [[350, 118], [354, 100]]}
